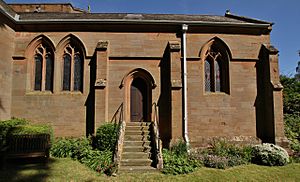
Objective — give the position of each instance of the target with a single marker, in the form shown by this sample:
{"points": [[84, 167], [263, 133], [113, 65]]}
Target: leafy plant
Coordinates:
{"points": [[180, 148], [270, 155], [215, 161], [80, 149], [106, 137], [178, 164], [70, 147], [31, 129], [17, 126], [177, 160], [100, 161], [292, 130], [291, 95], [291, 108], [223, 154]]}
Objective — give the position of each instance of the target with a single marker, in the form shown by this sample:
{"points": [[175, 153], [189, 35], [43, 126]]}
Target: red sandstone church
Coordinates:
{"points": [[200, 76]]}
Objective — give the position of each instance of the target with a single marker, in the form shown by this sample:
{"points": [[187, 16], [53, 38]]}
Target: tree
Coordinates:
{"points": [[297, 75], [291, 109]]}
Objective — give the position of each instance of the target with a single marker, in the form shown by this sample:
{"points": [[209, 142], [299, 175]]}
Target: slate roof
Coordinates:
{"points": [[228, 19], [135, 17]]}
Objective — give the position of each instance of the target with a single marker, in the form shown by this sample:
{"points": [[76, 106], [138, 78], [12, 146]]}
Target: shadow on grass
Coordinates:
{"points": [[29, 169]]}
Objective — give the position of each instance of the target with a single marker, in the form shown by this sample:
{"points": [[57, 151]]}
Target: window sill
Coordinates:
{"points": [[70, 93], [216, 93], [39, 93]]}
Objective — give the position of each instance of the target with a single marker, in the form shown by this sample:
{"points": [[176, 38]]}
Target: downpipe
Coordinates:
{"points": [[185, 112]]}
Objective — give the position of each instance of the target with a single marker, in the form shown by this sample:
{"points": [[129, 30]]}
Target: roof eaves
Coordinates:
{"points": [[126, 21], [8, 11], [247, 19]]}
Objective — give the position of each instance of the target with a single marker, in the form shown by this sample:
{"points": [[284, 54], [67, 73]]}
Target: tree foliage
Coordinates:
{"points": [[291, 95], [291, 109]]}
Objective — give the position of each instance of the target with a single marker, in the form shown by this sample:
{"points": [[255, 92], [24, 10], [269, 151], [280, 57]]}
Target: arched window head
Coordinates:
{"points": [[43, 68], [72, 68], [216, 68]]}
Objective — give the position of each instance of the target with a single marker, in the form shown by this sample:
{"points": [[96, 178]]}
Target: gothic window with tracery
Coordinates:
{"points": [[43, 68], [216, 70], [72, 69]]}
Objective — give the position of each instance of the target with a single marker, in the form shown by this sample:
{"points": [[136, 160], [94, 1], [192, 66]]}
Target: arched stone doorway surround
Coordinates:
{"points": [[144, 82]]}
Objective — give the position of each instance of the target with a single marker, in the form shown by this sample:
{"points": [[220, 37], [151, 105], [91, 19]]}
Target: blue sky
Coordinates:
{"points": [[284, 13]]}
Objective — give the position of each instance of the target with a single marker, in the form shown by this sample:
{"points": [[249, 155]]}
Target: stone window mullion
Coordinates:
{"points": [[213, 76], [43, 70], [72, 70]]}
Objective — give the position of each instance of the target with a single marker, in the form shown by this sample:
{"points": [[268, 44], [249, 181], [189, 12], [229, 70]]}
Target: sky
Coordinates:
{"points": [[285, 35]]}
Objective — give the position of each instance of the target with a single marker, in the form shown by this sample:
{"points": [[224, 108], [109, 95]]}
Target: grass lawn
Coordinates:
{"points": [[69, 170]]}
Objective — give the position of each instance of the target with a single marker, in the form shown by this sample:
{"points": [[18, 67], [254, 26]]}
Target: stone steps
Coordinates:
{"points": [[137, 132], [136, 143], [136, 149], [136, 162], [139, 169], [136, 156], [136, 137]]}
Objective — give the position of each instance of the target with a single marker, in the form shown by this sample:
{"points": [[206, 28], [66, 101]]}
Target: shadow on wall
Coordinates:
{"points": [[2, 109], [90, 102], [2, 26], [1, 106], [164, 101], [265, 128]]}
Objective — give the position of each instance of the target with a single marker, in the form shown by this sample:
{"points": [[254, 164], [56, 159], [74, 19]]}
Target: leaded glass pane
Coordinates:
{"points": [[38, 72], [67, 72], [77, 73], [49, 72], [217, 77], [207, 76]]}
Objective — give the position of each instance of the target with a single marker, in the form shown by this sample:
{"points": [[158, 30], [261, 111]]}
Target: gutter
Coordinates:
{"points": [[138, 21]]}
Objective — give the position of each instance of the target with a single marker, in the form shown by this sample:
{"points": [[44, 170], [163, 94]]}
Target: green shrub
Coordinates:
{"points": [[291, 110], [177, 160], [31, 129], [106, 137], [180, 148], [80, 149], [17, 126], [5, 128], [70, 147], [225, 149], [270, 155], [178, 164], [292, 130], [100, 161], [223, 154], [215, 161]]}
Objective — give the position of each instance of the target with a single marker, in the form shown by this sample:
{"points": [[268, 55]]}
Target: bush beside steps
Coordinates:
{"points": [[221, 155], [95, 152]]}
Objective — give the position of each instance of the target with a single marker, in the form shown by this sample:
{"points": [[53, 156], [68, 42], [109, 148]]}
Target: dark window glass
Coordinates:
{"points": [[38, 72], [207, 76], [77, 73], [49, 72], [67, 72], [217, 76]]}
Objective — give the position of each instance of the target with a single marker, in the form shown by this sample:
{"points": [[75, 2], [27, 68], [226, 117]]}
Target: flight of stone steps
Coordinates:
{"points": [[136, 155]]}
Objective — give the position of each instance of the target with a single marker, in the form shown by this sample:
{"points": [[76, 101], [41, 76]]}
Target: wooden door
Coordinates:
{"points": [[136, 104]]}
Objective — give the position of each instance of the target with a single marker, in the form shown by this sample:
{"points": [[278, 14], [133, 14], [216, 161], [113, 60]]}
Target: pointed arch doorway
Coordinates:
{"points": [[138, 86]]}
